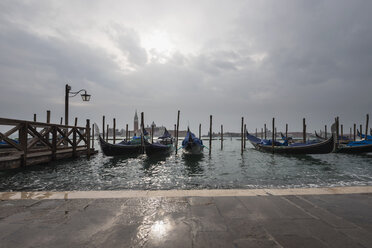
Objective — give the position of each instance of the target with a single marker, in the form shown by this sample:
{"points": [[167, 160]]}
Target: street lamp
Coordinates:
{"points": [[68, 93]]}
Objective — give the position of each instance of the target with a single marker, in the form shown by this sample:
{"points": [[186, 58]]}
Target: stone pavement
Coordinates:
{"points": [[243, 220]]}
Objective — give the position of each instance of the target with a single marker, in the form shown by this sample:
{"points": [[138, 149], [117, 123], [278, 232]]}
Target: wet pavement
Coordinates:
{"points": [[318, 220]]}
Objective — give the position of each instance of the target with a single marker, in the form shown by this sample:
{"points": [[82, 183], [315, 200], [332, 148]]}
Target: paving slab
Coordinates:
{"points": [[203, 219]]}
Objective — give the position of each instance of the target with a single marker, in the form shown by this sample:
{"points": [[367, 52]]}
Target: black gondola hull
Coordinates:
{"points": [[157, 149], [317, 148], [119, 149], [354, 149]]}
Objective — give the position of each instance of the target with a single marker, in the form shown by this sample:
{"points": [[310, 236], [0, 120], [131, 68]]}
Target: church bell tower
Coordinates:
{"points": [[135, 123]]}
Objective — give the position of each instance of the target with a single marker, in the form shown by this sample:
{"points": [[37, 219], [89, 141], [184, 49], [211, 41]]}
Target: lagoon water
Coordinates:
{"points": [[222, 170]]}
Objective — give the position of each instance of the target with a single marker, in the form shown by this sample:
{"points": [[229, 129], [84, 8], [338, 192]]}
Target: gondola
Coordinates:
{"points": [[344, 139], [191, 144], [124, 148], [164, 146], [355, 147], [363, 136], [295, 148]]}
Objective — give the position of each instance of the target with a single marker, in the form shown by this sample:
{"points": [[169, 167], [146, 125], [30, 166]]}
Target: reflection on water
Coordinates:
{"points": [[223, 169], [192, 163]]}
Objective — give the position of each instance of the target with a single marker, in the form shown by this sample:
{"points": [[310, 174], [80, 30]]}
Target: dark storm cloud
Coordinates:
{"points": [[259, 59]]}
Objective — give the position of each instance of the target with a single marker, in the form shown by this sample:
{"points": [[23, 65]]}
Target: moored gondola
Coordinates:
{"points": [[124, 148], [191, 144], [295, 148], [355, 147], [164, 146]]}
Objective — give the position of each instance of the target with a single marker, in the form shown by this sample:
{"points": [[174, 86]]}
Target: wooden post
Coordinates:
{"points": [[54, 143], [74, 153], [103, 127], [175, 130], [107, 133], [152, 133], [34, 117], [304, 130], [367, 120], [244, 134], [48, 121], [61, 121], [360, 130], [93, 135], [265, 131], [350, 135], [178, 126], [142, 133], [76, 121], [241, 135], [342, 132], [126, 132], [286, 131], [273, 137], [261, 133], [354, 131], [22, 138], [325, 131], [221, 137], [210, 135], [114, 130], [87, 131], [256, 132], [199, 130], [337, 129]]}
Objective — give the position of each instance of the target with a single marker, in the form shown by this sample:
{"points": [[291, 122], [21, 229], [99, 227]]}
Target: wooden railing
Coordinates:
{"points": [[34, 137]]}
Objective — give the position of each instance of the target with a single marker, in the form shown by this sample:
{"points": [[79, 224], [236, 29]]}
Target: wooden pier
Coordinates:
{"points": [[29, 142]]}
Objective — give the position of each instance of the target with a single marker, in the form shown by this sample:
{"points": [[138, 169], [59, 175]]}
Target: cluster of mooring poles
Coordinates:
{"points": [[105, 132]]}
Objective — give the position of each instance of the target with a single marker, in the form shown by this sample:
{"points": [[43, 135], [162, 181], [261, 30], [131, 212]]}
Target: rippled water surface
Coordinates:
{"points": [[223, 169]]}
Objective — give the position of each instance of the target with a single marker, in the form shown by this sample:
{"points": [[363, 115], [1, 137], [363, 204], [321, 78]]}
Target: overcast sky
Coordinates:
{"points": [[257, 59]]}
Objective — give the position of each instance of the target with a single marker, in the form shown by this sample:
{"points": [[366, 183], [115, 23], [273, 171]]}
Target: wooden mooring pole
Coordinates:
{"points": [[367, 120], [107, 133], [34, 117], [126, 132], [142, 133], [337, 129], [199, 130], [261, 133], [350, 134], [88, 138], [342, 132], [360, 130], [354, 132], [265, 130], [304, 130], [152, 134], [48, 121], [93, 135], [178, 126], [114, 130], [221, 137], [210, 135], [103, 127], [244, 134], [325, 131], [273, 136], [286, 131], [241, 135], [61, 121]]}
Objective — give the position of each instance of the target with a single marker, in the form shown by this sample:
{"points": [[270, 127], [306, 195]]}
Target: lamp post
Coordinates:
{"points": [[68, 93]]}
